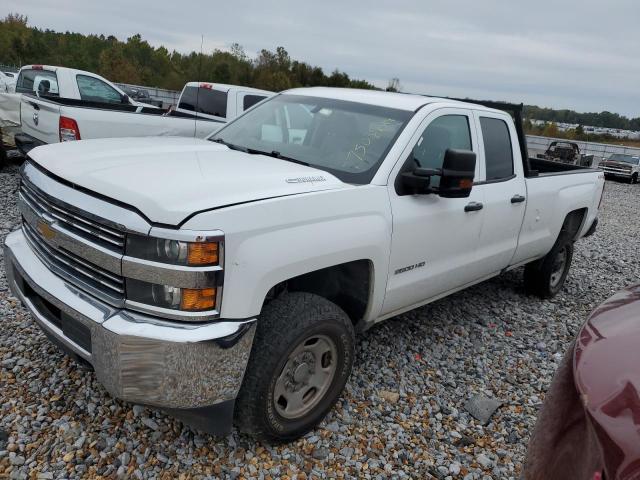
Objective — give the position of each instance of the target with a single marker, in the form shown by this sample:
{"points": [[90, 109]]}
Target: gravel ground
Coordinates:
{"points": [[403, 413]]}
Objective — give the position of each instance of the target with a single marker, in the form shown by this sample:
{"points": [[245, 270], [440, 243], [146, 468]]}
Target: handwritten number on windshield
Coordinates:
{"points": [[359, 151]]}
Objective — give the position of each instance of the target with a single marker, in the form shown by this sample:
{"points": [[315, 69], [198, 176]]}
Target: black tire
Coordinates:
{"points": [[541, 277], [283, 327], [634, 178]]}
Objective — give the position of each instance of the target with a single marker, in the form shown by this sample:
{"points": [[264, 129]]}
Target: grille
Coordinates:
{"points": [[75, 269], [82, 226], [616, 169]]}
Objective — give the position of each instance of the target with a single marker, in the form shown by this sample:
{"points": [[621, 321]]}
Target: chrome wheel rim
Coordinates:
{"points": [[559, 264], [306, 377]]}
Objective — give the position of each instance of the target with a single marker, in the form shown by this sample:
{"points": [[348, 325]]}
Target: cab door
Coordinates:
{"points": [[434, 240], [504, 190]]}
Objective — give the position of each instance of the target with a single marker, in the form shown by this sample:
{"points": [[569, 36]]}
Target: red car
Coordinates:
{"points": [[589, 425]]}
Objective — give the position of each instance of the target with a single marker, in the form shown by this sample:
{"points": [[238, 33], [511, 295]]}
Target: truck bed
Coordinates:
{"points": [[41, 116], [539, 167]]}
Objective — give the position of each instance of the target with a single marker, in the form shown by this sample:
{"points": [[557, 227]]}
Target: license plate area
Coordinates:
{"points": [[71, 328]]}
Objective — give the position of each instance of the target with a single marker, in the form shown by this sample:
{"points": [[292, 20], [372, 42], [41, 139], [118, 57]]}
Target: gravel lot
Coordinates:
{"points": [[403, 414]]}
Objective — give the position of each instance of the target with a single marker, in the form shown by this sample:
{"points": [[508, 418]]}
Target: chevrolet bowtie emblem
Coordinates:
{"points": [[45, 230]]}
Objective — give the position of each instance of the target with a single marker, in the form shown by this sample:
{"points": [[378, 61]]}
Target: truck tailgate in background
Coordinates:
{"points": [[40, 118]]}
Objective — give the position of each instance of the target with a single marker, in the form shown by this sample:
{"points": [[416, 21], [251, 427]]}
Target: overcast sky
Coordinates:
{"points": [[578, 54]]}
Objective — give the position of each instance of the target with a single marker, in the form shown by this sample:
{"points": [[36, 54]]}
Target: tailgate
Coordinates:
{"points": [[40, 118]]}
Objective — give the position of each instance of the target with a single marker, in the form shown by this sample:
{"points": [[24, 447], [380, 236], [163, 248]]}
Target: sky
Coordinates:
{"points": [[576, 54]]}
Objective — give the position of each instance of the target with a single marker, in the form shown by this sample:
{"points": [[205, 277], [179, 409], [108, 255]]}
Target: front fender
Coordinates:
{"points": [[271, 241]]}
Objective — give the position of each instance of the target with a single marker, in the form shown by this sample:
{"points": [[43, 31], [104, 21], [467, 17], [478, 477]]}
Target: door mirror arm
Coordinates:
{"points": [[427, 172], [418, 181], [456, 177]]}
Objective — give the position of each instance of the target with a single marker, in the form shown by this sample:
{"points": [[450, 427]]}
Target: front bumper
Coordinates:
{"points": [[193, 371]]}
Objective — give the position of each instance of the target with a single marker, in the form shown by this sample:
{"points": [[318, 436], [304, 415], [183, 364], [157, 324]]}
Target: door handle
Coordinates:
{"points": [[517, 199], [473, 207]]}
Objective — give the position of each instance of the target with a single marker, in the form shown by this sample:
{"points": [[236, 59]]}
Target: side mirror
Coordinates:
{"points": [[456, 176], [458, 171], [124, 98]]}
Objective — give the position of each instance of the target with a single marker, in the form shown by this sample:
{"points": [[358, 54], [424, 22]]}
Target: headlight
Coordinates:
{"points": [[175, 252], [174, 298], [175, 274]]}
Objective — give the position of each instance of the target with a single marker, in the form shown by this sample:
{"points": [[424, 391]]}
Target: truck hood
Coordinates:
{"points": [[169, 179]]}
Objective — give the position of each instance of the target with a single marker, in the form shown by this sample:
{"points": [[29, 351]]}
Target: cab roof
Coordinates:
{"points": [[225, 87], [400, 101]]}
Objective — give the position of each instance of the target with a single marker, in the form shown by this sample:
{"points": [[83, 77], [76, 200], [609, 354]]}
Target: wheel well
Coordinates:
{"points": [[348, 285], [572, 224]]}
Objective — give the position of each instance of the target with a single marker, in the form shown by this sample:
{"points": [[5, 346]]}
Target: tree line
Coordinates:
{"points": [[602, 119], [551, 130], [136, 62]]}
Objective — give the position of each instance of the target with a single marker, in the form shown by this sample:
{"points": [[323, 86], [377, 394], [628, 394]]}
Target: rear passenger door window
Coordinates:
{"points": [[445, 132], [498, 151]]}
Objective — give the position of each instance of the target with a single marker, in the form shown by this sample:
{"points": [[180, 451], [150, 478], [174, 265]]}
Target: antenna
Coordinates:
{"points": [[195, 121]]}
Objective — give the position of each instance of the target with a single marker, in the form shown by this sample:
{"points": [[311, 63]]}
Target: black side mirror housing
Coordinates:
{"points": [[124, 98], [458, 171], [456, 176]]}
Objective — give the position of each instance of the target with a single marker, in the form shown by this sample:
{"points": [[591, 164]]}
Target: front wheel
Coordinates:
{"points": [[634, 178], [301, 359], [546, 277]]}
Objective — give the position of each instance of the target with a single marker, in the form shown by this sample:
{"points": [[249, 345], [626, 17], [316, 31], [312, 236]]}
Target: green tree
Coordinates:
{"points": [[550, 130], [136, 61]]}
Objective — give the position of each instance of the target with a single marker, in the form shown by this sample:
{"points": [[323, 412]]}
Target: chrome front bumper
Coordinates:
{"points": [[142, 359], [617, 172]]}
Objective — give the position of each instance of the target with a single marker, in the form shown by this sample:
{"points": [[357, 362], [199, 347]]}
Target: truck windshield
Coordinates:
{"points": [[346, 139], [619, 157]]}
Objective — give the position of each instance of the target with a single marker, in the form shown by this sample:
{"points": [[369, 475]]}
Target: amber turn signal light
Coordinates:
{"points": [[196, 300], [203, 253]]}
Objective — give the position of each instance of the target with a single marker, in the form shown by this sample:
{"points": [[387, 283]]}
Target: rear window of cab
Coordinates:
{"points": [[204, 100], [37, 81]]}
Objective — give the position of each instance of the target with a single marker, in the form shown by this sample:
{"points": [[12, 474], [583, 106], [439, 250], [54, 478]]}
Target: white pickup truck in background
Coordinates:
{"points": [[7, 82], [207, 277], [61, 104]]}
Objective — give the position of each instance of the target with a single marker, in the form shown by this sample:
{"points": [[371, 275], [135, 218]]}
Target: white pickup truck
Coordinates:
{"points": [[7, 82], [62, 104], [207, 277]]}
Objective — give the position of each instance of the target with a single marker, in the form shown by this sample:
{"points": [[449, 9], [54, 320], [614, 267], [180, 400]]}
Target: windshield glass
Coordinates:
{"points": [[347, 139], [619, 157]]}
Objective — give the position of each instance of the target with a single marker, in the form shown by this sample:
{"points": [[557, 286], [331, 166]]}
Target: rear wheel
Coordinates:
{"points": [[546, 277], [301, 360]]}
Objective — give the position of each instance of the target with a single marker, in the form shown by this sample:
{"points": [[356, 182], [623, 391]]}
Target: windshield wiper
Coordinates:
{"points": [[253, 151], [276, 154], [230, 145]]}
